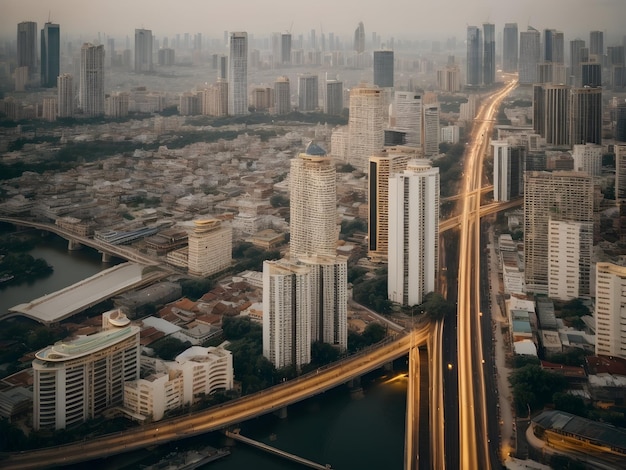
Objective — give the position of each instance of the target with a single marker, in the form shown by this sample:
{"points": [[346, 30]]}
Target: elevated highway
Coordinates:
{"points": [[229, 413]]}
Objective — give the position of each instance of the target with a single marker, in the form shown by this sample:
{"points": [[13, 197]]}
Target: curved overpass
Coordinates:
{"points": [[225, 415]]}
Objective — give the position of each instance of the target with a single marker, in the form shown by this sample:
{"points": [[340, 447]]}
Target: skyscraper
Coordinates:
{"points": [[576, 59], [596, 45], [359, 38], [308, 92], [474, 57], [389, 162], [285, 48], [78, 379], [510, 49], [551, 113], [585, 116], [431, 130], [65, 95], [91, 87], [591, 74], [143, 50], [365, 125], [610, 314], [313, 204], [489, 54], [238, 74], [407, 116], [529, 56], [50, 55], [501, 170], [282, 96], [560, 196], [413, 233], [383, 69], [287, 304], [27, 46], [334, 97], [569, 258]]}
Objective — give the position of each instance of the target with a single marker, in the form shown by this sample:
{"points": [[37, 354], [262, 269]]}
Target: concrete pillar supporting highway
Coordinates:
{"points": [[106, 258], [281, 413], [73, 245]]}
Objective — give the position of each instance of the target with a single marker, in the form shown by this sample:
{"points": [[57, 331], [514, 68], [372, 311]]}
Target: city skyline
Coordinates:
{"points": [[200, 17]]}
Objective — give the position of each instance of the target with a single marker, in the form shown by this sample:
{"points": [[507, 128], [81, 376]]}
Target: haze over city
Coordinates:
{"points": [[401, 18]]}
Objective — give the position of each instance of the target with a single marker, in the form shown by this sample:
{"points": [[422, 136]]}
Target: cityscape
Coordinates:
{"points": [[283, 236]]}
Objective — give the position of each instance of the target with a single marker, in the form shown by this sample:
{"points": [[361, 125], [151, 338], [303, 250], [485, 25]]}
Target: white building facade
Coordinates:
{"points": [[610, 311], [501, 170], [210, 247], [365, 125], [569, 248], [413, 233]]}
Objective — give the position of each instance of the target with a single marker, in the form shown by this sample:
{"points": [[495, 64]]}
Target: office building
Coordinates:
{"points": [[502, 170], [620, 122], [166, 57], [262, 98], [215, 99], [620, 187], [431, 130], [450, 134], [329, 299], [413, 256], [334, 97], [383, 166], [551, 112], [558, 196], [449, 79], [27, 46], [285, 48], [591, 74], [282, 96], [529, 55], [474, 57], [143, 50], [489, 53], [307, 92], [313, 204], [365, 125], [553, 46], [91, 86], [77, 379], [210, 247], [383, 69], [610, 313], [406, 116], [65, 95], [50, 55], [510, 48], [238, 74], [576, 48], [585, 116]]}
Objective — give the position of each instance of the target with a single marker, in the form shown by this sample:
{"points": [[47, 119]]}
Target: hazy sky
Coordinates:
{"points": [[400, 18]]}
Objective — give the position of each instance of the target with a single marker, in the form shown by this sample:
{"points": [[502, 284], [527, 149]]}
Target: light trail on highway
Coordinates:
{"points": [[473, 437]]}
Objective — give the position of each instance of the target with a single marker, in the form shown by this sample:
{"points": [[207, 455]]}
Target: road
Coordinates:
{"points": [[473, 435]]}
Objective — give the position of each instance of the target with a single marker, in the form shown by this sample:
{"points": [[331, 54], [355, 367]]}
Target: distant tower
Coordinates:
{"points": [[510, 49], [50, 55], [596, 45], [238, 74], [27, 46], [308, 92], [529, 56], [383, 166], [548, 39], [65, 95], [489, 54], [285, 49], [143, 50], [559, 196], [359, 39], [334, 97], [407, 112], [383, 69], [282, 96], [585, 116], [413, 233], [474, 57], [431, 136], [365, 125], [91, 90], [576, 59]]}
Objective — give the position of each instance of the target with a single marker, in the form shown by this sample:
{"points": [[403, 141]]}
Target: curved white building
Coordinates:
{"points": [[78, 379]]}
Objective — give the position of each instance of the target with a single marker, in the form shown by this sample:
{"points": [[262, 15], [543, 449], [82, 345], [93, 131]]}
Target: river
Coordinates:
{"points": [[345, 430]]}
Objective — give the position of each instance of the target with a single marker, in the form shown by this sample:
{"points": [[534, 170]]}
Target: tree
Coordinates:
{"points": [[374, 333], [533, 386], [236, 327], [570, 404], [195, 288], [323, 353], [169, 347], [437, 307], [278, 200]]}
